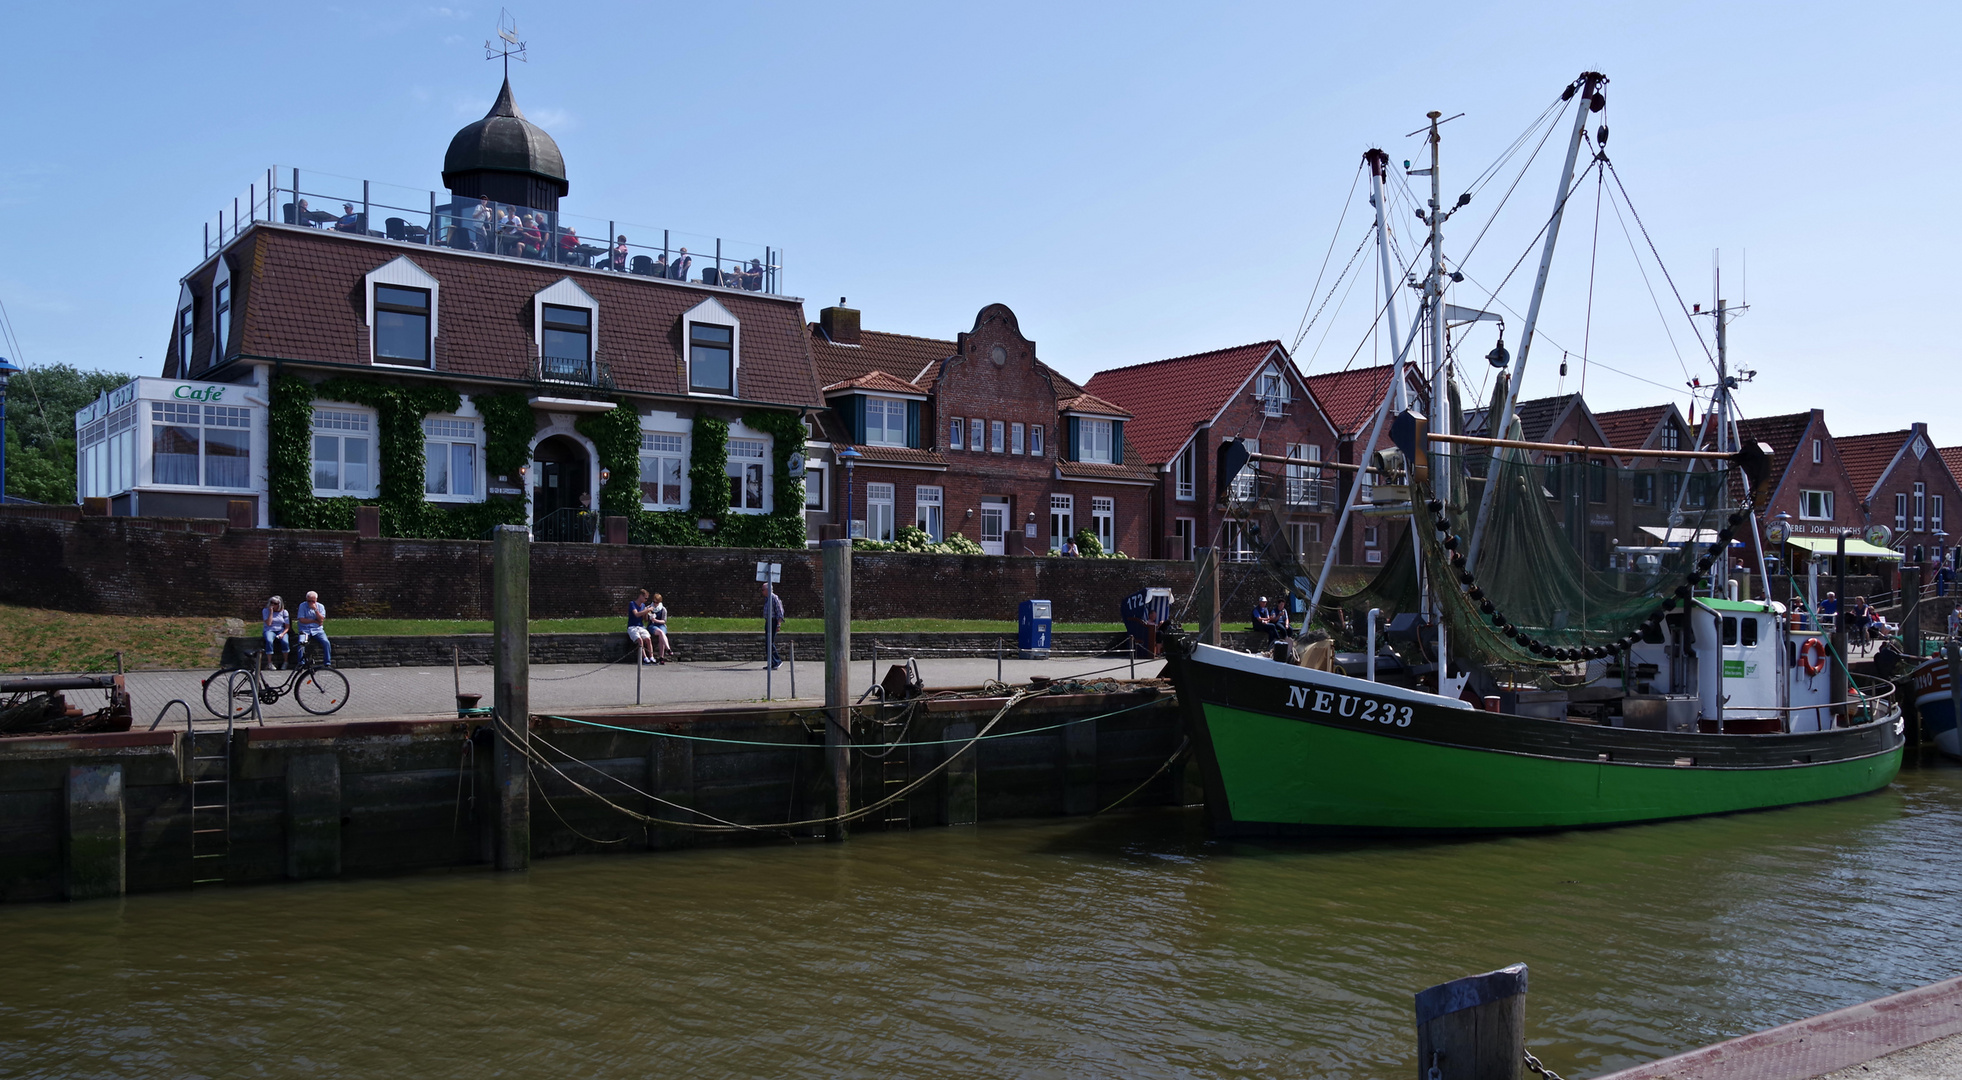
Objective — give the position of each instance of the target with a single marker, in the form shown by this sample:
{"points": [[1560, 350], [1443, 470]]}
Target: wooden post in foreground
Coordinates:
{"points": [[1205, 586], [511, 652], [838, 673], [1473, 1028]]}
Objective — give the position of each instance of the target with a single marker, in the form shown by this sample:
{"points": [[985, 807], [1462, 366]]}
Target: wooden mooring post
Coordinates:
{"points": [[837, 553], [511, 652], [1473, 1028]]}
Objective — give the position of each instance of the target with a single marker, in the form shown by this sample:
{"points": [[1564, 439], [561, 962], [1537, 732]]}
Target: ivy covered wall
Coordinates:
{"points": [[508, 430]]}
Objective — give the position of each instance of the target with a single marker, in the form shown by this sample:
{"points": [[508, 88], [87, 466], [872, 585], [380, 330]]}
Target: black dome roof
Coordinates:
{"points": [[504, 142]]}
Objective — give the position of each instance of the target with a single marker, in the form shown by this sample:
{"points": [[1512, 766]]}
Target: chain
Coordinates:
{"points": [[1532, 1063]]}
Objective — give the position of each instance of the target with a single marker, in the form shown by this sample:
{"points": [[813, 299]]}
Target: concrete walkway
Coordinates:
{"points": [[409, 692]]}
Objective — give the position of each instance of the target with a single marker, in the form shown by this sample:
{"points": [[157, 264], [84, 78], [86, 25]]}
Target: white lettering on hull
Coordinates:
{"points": [[1350, 706]]}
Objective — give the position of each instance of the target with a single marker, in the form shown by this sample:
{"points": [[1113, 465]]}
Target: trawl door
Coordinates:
{"points": [[994, 523]]}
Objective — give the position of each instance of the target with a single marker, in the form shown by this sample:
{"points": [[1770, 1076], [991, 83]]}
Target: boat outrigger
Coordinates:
{"points": [[1525, 686]]}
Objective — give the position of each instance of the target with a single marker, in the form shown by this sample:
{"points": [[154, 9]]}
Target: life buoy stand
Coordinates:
{"points": [[1812, 656]]}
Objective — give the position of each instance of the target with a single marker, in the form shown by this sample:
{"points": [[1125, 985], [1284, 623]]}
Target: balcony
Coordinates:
{"points": [[1310, 494], [319, 200]]}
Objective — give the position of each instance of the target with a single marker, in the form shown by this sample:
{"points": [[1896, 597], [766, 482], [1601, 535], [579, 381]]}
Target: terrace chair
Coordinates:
{"points": [[643, 266]]}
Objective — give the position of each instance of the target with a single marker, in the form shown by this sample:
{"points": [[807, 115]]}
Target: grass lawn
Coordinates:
{"points": [[698, 624], [35, 640]]}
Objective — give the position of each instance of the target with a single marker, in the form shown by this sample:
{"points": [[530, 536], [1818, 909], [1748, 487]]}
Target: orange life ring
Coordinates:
{"points": [[1812, 656]]}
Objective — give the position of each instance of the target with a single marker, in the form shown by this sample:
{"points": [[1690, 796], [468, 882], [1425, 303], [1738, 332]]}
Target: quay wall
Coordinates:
{"points": [[99, 815], [160, 566], [473, 650]]}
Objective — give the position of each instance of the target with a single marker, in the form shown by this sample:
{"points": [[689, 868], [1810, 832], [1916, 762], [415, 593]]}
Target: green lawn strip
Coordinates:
{"points": [[697, 624]]}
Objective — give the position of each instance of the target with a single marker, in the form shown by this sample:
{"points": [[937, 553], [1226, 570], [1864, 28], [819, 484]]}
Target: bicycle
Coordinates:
{"points": [[318, 689]]}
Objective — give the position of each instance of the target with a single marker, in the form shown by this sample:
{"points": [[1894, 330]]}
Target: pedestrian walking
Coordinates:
{"points": [[773, 621]]}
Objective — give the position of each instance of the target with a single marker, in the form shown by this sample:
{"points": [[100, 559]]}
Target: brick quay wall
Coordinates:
{"points": [[195, 567]]}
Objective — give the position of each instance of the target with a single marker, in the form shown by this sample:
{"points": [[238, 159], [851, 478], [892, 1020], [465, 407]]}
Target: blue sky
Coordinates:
{"points": [[1136, 180]]}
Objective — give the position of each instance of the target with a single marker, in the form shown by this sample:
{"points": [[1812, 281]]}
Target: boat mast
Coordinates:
{"points": [[1379, 163], [1441, 463], [1585, 87]]}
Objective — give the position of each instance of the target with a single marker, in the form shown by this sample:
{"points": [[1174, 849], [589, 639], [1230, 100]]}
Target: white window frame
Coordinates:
{"points": [[814, 488], [929, 510], [997, 436], [1304, 482], [566, 293], [1817, 452], [1920, 506], [880, 499], [1062, 520], [889, 409], [714, 314], [451, 439], [1183, 531], [187, 329], [1900, 511], [403, 273], [1272, 390], [977, 435], [660, 447], [1016, 433], [957, 434], [1935, 514], [105, 453], [1184, 488], [372, 433], [202, 419], [1672, 437], [1093, 440], [1823, 501], [1370, 536], [1103, 520], [743, 444], [1035, 440], [221, 310], [1246, 481]]}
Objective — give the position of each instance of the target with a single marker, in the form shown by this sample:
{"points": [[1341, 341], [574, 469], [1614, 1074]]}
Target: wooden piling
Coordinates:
{"points": [[511, 652], [838, 676], [1911, 612], [1473, 1028]]}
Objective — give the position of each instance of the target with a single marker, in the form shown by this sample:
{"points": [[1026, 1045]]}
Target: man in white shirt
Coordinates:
{"points": [[310, 622]]}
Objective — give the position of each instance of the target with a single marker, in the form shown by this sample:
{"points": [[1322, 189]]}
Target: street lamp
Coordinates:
{"points": [[848, 457], [7, 371]]}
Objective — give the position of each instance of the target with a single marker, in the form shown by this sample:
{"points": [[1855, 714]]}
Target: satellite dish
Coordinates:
{"points": [[1879, 535], [795, 463]]}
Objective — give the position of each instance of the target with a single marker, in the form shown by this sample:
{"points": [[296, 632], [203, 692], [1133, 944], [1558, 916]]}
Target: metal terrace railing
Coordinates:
{"points": [[319, 200]]}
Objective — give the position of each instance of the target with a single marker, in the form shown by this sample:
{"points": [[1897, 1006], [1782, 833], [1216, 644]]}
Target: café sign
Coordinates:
{"points": [[192, 392]]}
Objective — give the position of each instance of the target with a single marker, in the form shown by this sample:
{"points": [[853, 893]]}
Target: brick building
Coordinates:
{"points": [[975, 436], [1902, 481], [461, 367], [1349, 399], [1653, 488], [1186, 407], [1585, 495]]}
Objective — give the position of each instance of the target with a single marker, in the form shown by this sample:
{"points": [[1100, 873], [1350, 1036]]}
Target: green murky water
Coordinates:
{"points": [[1126, 946]]}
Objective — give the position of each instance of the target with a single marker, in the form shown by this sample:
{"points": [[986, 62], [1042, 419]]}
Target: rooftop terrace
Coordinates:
{"points": [[293, 196]]}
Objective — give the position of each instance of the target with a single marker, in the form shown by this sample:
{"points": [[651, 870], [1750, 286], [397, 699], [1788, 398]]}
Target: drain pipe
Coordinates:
{"points": [[1369, 668]]}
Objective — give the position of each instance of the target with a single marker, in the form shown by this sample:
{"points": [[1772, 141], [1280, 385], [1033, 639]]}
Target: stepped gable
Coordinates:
{"points": [[1866, 457], [1168, 398]]}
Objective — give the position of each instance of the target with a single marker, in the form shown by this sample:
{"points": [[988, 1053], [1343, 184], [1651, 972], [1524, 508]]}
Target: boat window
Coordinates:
{"points": [[1750, 632], [1730, 629]]}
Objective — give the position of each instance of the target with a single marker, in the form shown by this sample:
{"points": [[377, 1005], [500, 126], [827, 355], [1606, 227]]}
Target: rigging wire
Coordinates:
{"points": [[1302, 330], [1309, 323], [1666, 276], [1593, 259], [1615, 205]]}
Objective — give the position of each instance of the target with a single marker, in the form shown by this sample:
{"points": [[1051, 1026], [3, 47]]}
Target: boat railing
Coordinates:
{"points": [[1869, 691]]}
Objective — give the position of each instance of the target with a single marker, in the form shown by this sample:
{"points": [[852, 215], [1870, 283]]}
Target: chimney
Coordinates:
{"points": [[840, 323]]}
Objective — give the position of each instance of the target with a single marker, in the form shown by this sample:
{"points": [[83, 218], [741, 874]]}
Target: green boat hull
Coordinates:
{"points": [[1284, 750]]}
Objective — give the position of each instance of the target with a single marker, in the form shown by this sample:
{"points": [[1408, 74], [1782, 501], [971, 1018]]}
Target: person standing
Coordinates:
{"points": [[276, 619], [638, 635], [310, 622], [773, 621], [620, 253]]}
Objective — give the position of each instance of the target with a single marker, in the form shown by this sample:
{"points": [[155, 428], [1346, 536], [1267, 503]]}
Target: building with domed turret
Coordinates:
{"points": [[467, 357]]}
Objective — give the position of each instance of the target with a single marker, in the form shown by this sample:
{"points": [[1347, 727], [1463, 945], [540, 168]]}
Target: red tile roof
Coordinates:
{"points": [[1631, 429], [1782, 433], [912, 359], [1091, 403], [898, 455], [1350, 397], [1866, 457], [1952, 457], [303, 301], [876, 380], [1132, 469], [1168, 398]]}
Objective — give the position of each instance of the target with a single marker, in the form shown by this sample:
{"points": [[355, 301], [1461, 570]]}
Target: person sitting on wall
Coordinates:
{"points": [[1268, 621], [638, 634], [276, 619], [657, 625], [310, 622]]}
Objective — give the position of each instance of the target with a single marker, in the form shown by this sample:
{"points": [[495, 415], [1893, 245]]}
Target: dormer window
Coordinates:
{"points": [[401, 325], [221, 316], [885, 422], [1093, 442], [186, 331], [566, 349], [711, 359]]}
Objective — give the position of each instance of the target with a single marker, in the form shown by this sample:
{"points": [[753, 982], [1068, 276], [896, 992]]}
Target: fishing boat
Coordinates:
{"points": [[1522, 684], [1934, 702]]}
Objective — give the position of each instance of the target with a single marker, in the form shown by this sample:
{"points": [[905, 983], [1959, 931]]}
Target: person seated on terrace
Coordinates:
{"points": [[752, 276], [534, 238], [350, 221], [661, 265], [569, 245], [620, 252], [313, 217], [678, 269], [508, 239]]}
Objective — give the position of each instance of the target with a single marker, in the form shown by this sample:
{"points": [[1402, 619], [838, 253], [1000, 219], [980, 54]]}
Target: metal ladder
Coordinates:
{"points": [[211, 796], [895, 772]]}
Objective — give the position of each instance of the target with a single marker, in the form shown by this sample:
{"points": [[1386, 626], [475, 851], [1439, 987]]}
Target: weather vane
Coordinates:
{"points": [[507, 33]]}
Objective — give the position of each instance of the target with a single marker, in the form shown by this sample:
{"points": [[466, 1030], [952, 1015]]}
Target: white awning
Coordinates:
{"points": [[1683, 536], [1829, 545]]}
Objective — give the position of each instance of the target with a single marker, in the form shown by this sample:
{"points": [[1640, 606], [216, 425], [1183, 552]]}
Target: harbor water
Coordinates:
{"points": [[1126, 945]]}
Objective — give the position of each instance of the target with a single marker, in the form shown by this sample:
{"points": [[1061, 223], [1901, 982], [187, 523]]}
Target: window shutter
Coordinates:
{"points": [[913, 423], [1069, 439], [1117, 442]]}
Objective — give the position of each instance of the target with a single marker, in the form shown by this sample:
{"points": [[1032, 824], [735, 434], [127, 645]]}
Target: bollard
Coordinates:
{"points": [[837, 554], [997, 659], [1473, 1028], [792, 645]]}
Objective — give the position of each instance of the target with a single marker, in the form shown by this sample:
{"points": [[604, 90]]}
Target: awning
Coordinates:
{"points": [[1829, 545]]}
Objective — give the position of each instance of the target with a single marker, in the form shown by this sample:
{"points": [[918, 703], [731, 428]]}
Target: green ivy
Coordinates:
{"points": [[616, 437], [508, 428], [708, 469]]}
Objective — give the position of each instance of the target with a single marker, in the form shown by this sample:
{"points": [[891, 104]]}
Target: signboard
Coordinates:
{"points": [[1740, 669], [1778, 532], [1028, 529], [769, 571], [794, 464]]}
